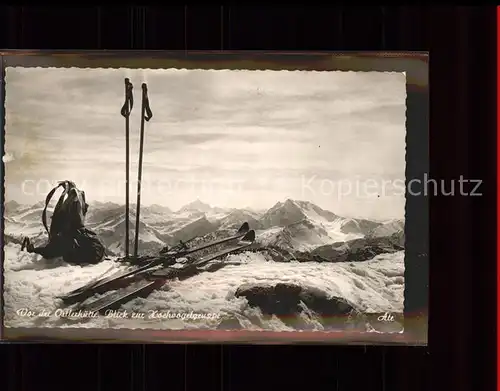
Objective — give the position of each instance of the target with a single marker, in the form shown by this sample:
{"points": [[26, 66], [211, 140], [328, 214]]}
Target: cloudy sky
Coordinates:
{"points": [[228, 138]]}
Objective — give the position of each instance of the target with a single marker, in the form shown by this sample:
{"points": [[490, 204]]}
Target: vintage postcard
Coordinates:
{"points": [[215, 199]]}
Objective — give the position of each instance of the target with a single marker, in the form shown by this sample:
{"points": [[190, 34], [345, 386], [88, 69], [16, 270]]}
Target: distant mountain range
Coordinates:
{"points": [[291, 225]]}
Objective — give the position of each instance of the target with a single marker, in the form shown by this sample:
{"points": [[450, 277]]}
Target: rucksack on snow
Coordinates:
{"points": [[68, 222]]}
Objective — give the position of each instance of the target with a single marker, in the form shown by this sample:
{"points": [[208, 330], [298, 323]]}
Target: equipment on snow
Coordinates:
{"points": [[156, 279], [152, 263], [125, 112], [77, 243], [146, 115], [68, 236]]}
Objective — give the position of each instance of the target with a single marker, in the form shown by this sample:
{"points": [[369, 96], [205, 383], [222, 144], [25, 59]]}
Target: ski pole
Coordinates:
{"points": [[146, 115], [126, 110]]}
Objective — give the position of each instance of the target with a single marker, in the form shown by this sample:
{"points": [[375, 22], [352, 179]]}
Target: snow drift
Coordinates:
{"points": [[374, 286]]}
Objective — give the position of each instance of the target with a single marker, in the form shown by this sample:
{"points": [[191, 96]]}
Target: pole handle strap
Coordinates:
{"points": [[129, 99], [149, 114]]}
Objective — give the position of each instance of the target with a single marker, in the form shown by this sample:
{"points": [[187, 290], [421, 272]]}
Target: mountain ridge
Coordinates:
{"points": [[290, 224]]}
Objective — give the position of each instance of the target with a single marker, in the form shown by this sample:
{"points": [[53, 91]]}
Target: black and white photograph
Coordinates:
{"points": [[204, 199]]}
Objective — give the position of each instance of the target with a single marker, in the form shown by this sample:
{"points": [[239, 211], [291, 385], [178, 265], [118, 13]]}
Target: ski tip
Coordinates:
{"points": [[249, 237], [244, 228]]}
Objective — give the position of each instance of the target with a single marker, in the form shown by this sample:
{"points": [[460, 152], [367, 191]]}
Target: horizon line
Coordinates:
{"points": [[227, 208]]}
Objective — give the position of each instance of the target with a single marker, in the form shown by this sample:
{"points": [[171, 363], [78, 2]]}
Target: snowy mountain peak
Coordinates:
{"points": [[235, 218], [292, 211], [11, 207], [159, 209], [196, 205], [283, 213], [388, 228], [286, 204], [98, 205], [12, 204], [289, 202]]}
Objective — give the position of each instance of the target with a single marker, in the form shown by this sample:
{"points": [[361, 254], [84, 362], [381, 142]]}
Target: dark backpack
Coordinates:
{"points": [[68, 225]]}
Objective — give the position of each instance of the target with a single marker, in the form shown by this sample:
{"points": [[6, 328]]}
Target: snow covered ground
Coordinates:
{"points": [[34, 284]]}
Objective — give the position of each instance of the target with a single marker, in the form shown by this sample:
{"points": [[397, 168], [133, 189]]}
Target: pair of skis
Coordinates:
{"points": [[146, 115], [142, 280]]}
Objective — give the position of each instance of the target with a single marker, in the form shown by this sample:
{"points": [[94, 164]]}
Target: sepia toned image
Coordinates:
{"points": [[204, 199]]}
